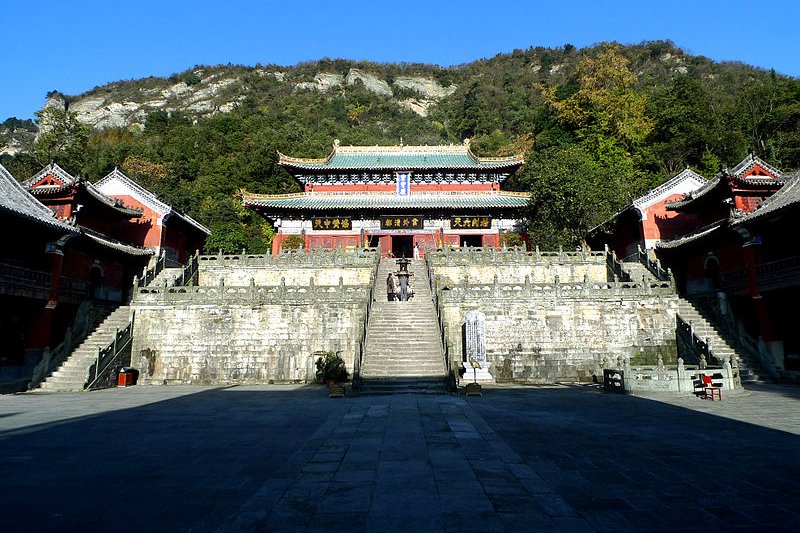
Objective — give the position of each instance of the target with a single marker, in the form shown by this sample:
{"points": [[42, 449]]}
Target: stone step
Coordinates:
{"points": [[72, 373], [708, 328], [403, 338], [429, 330], [411, 356], [404, 375], [369, 372]]}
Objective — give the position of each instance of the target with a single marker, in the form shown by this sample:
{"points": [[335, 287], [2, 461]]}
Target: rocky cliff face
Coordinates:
{"points": [[217, 93], [15, 140], [116, 106]]}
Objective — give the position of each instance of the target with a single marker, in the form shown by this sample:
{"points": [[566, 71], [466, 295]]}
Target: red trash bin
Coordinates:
{"points": [[126, 377]]}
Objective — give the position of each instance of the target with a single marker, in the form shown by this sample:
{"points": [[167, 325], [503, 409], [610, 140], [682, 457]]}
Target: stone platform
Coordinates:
{"points": [[287, 458]]}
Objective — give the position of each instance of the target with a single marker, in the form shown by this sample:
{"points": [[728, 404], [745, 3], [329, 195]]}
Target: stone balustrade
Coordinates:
{"points": [[333, 257], [585, 290], [510, 256], [251, 293]]}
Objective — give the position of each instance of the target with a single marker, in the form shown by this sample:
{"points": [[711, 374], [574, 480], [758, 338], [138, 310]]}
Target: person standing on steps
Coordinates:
{"points": [[416, 251], [390, 287]]}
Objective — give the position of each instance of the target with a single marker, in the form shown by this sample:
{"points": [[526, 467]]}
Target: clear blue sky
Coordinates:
{"points": [[73, 46]]}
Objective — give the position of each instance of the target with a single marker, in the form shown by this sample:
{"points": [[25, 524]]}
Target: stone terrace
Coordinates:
{"points": [[270, 458], [553, 316], [253, 318]]}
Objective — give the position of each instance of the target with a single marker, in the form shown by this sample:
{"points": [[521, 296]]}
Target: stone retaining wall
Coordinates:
{"points": [[253, 319], [272, 276], [515, 266], [244, 334], [543, 333]]}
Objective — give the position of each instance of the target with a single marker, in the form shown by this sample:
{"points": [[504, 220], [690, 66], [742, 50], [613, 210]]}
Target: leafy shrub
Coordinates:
{"points": [[512, 239], [293, 242], [331, 367]]}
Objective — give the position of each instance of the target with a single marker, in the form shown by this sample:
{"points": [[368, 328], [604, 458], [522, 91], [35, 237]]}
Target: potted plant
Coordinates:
{"points": [[331, 368]]}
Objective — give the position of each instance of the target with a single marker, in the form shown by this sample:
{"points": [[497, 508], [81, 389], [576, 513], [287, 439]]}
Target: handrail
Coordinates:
{"points": [[149, 274], [442, 326], [654, 267], [188, 276], [702, 347], [359, 358], [618, 273], [52, 359], [106, 356]]}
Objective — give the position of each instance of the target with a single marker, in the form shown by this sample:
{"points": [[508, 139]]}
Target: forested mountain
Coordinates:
{"points": [[599, 126]]}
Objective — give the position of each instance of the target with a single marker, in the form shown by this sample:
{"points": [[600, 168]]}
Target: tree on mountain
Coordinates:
{"points": [[62, 139], [571, 192], [605, 102], [577, 185]]}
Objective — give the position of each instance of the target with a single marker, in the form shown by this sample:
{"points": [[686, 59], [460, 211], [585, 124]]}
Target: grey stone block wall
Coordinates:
{"points": [[230, 342], [253, 319], [232, 274], [545, 272], [544, 338]]}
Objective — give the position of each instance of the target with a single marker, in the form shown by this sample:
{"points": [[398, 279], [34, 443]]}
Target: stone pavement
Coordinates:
{"points": [[279, 458]]}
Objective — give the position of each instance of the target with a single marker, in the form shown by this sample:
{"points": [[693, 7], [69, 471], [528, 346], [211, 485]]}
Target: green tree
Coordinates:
{"points": [[605, 102], [571, 192], [61, 139]]}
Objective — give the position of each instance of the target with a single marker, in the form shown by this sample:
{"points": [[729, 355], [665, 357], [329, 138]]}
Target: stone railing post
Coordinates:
{"points": [[727, 372], [68, 339], [681, 373], [626, 368]]}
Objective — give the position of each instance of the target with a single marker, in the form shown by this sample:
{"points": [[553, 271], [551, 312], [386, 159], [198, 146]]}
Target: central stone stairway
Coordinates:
{"points": [[403, 350]]}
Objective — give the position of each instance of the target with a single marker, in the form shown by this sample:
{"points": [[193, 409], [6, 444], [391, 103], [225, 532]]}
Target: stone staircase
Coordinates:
{"points": [[73, 373], [706, 326], [637, 271], [167, 275], [403, 351]]}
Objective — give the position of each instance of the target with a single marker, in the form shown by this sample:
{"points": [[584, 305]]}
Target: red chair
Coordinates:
{"points": [[710, 390]]}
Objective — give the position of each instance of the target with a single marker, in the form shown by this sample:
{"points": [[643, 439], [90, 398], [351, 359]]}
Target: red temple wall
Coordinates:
{"points": [[145, 235], [78, 265], [661, 223], [332, 241]]}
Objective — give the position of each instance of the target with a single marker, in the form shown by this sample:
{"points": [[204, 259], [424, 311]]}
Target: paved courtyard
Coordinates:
{"points": [[278, 458]]}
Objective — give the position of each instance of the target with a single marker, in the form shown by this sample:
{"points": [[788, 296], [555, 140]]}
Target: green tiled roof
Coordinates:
{"points": [[407, 161], [401, 158], [322, 201]]}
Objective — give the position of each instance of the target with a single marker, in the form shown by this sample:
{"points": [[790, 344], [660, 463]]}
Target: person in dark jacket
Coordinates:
{"points": [[390, 287]]}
